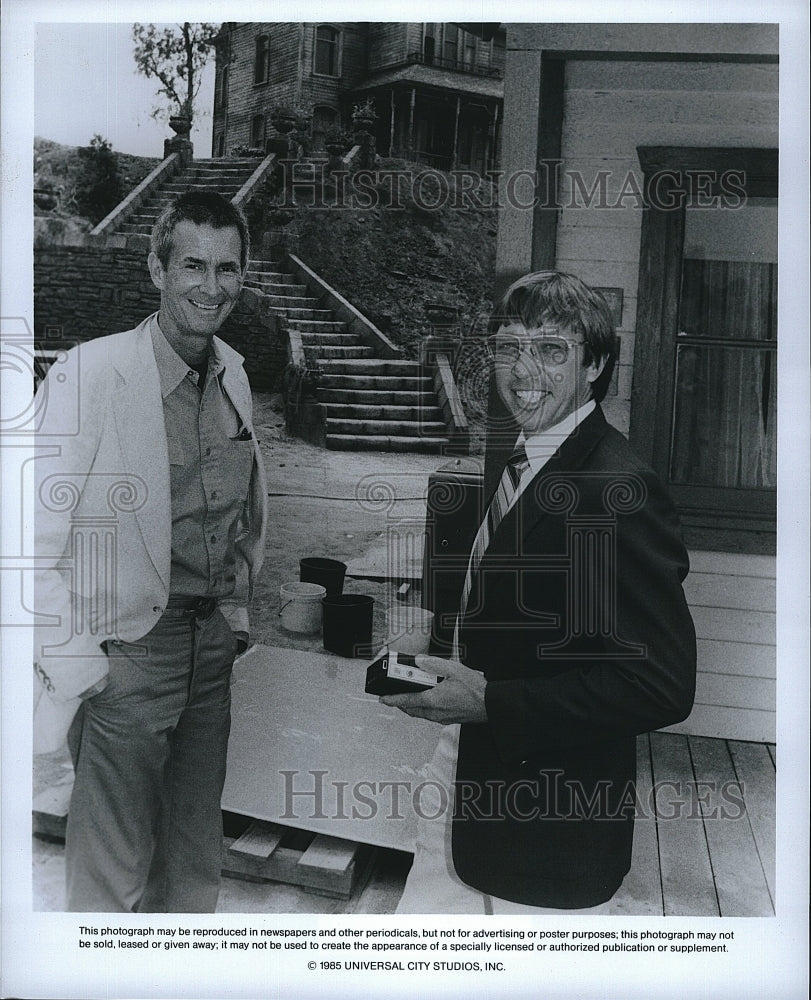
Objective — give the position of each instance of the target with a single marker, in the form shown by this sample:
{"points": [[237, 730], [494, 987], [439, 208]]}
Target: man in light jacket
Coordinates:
{"points": [[149, 527]]}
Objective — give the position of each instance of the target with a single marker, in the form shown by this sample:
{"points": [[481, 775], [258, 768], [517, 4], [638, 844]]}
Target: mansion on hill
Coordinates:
{"points": [[437, 88]]}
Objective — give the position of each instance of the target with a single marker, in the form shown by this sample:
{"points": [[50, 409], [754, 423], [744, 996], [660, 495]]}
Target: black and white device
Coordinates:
{"points": [[397, 673]]}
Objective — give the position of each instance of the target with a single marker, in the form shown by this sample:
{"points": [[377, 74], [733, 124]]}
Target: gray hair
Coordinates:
{"points": [[203, 208]]}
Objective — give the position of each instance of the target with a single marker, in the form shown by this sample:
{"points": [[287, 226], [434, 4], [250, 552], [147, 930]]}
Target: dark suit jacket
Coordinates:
{"points": [[578, 619]]}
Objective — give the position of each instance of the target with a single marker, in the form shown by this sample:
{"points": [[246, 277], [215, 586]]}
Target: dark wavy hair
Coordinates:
{"points": [[203, 208], [553, 298]]}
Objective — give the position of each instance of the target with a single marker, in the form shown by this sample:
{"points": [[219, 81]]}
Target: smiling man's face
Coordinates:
{"points": [[540, 375], [199, 285]]}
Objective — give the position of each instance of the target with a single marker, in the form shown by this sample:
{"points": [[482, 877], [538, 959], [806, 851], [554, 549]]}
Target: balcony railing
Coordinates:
{"points": [[455, 65]]}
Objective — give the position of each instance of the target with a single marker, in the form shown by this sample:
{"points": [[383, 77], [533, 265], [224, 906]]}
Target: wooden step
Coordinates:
{"points": [[328, 394], [270, 286], [267, 852], [303, 302], [354, 442], [378, 367], [214, 184], [335, 352], [385, 428], [355, 411], [328, 338], [314, 325], [268, 267], [377, 383]]}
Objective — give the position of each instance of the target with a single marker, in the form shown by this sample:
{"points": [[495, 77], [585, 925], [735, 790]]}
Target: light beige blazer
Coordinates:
{"points": [[103, 508]]}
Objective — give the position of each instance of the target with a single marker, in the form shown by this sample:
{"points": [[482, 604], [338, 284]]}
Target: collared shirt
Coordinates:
{"points": [[209, 472], [541, 447]]}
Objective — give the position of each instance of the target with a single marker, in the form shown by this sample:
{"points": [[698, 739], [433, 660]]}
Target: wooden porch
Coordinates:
{"points": [[704, 843]]}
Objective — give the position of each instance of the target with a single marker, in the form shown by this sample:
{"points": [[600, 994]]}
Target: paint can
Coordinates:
{"points": [[408, 629], [300, 607], [348, 624]]}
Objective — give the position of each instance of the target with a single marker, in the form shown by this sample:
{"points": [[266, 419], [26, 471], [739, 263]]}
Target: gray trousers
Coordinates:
{"points": [[144, 826]]}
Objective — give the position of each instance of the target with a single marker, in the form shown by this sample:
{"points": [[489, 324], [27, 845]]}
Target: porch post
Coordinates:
{"points": [[455, 156], [491, 141], [411, 121]]}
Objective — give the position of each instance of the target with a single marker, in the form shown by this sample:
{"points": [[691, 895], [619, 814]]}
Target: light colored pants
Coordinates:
{"points": [[144, 826], [432, 885]]}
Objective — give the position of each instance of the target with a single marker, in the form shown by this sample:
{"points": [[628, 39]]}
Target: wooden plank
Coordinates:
{"points": [[755, 771], [622, 223], [613, 245], [260, 840], [330, 853], [687, 882], [632, 110], [283, 865], [733, 564], [612, 140], [641, 890], [728, 723], [50, 810], [737, 871], [729, 691], [582, 74], [735, 626], [716, 590], [721, 656], [601, 272]]}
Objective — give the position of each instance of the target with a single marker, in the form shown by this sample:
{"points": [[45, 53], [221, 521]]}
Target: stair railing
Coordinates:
{"points": [[254, 182], [437, 353], [164, 171], [356, 322]]}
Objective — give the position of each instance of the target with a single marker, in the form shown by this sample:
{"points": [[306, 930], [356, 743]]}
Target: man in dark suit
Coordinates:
{"points": [[573, 636]]}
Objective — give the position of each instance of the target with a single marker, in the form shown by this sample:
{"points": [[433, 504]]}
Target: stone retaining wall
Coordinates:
{"points": [[81, 293]]}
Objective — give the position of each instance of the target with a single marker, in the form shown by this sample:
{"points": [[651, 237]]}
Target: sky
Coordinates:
{"points": [[85, 83]]}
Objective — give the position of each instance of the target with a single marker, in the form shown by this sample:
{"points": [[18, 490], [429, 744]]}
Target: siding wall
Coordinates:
{"points": [[244, 98], [732, 600], [323, 89], [610, 108], [391, 41], [291, 80]]}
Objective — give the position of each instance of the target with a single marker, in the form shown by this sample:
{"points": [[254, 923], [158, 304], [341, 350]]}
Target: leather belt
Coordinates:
{"points": [[200, 606]]}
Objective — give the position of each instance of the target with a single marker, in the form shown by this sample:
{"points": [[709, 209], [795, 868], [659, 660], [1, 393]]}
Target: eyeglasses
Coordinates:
{"points": [[552, 352]]}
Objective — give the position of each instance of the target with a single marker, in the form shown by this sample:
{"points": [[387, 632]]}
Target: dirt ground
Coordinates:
{"points": [[336, 504]]}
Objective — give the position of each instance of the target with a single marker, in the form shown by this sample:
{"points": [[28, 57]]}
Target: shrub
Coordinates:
{"points": [[98, 187]]}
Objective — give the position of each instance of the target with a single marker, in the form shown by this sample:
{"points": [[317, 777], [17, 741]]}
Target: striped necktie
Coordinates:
{"points": [[499, 505]]}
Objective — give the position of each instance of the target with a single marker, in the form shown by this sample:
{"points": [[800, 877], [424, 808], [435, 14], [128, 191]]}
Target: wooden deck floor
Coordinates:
{"points": [[704, 842]]}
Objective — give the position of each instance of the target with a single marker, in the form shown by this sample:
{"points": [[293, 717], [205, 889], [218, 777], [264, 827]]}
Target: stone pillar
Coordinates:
{"points": [[180, 142]]}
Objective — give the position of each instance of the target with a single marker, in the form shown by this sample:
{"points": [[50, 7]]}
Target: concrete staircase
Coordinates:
{"points": [[225, 176], [368, 403], [366, 397]]}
